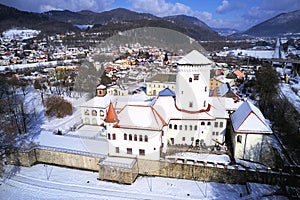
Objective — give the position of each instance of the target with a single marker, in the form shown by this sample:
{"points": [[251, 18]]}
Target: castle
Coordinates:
{"points": [[145, 128]]}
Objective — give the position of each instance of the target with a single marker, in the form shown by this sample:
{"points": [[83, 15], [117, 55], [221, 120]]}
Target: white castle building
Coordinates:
{"points": [[145, 129]]}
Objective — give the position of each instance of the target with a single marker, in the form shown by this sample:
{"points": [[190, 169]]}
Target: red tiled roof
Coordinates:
{"points": [[111, 116]]}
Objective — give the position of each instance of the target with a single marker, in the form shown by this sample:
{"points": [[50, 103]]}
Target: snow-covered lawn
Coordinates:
{"points": [[51, 182]]}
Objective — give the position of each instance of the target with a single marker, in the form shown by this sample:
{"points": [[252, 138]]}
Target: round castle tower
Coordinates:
{"points": [[192, 82]]}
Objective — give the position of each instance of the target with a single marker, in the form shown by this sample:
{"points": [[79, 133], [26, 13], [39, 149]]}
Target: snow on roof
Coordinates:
{"points": [[215, 158], [136, 99], [143, 117], [98, 102], [228, 103], [194, 58], [118, 162], [101, 87], [165, 105], [248, 119]]}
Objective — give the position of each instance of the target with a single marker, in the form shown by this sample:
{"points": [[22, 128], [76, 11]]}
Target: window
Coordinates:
{"points": [[87, 112], [172, 140], [195, 127], [213, 133], [239, 139], [216, 124], [113, 136], [208, 123], [129, 150], [101, 113], [217, 133], [125, 136], [135, 137], [108, 136], [192, 139], [175, 127], [221, 124], [94, 112], [180, 127], [130, 137], [185, 127], [141, 152], [190, 104], [190, 80], [183, 139], [202, 123], [181, 91], [170, 126], [141, 138], [191, 127], [196, 77], [204, 103], [117, 150], [146, 138]]}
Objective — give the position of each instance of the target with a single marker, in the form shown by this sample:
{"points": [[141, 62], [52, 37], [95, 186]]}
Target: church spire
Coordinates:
{"points": [[111, 116]]}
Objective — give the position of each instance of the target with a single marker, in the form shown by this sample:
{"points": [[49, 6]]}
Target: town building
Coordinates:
{"points": [[159, 82]]}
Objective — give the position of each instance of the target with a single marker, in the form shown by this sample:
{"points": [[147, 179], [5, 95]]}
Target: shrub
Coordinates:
{"points": [[58, 106]]}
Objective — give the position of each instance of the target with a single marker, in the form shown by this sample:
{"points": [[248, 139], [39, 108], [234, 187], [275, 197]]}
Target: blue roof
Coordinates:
{"points": [[166, 92]]}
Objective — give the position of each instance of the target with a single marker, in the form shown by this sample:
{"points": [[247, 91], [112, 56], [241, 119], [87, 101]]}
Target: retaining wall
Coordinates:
{"points": [[185, 169]]}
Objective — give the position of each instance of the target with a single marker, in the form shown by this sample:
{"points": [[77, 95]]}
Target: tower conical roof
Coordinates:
{"points": [[194, 58], [111, 116]]}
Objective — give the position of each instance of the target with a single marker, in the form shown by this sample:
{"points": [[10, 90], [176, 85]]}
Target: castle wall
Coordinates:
{"points": [[180, 168]]}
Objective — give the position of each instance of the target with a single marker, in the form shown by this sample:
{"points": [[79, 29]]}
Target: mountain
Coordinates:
{"points": [[121, 19], [89, 17], [111, 22], [12, 18], [282, 24], [193, 26]]}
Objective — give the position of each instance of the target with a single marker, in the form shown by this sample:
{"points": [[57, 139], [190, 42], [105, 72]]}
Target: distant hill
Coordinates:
{"points": [[112, 21], [13, 18], [121, 19], [193, 26], [285, 23]]}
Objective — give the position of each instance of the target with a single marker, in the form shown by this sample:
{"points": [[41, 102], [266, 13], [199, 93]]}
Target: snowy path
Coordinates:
{"points": [[38, 185], [52, 182]]}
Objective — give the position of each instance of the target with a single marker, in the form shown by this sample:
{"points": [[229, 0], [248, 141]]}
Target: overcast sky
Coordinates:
{"points": [[238, 14]]}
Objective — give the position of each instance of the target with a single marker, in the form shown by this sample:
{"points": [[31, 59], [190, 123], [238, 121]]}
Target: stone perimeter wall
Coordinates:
{"points": [[66, 159], [171, 169]]}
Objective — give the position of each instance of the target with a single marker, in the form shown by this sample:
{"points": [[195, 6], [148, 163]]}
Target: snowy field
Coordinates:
{"points": [[51, 182]]}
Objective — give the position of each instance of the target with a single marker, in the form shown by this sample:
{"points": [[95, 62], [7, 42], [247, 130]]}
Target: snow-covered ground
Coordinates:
{"points": [[248, 52], [51, 182], [20, 34]]}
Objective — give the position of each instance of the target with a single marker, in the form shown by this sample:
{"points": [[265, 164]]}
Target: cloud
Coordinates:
{"points": [[160, 7], [227, 7], [46, 5], [224, 7]]}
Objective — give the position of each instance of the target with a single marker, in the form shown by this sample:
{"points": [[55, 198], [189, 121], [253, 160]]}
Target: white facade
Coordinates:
{"points": [[250, 132], [93, 112], [192, 82]]}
